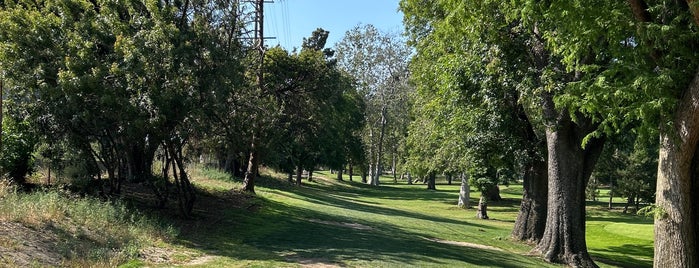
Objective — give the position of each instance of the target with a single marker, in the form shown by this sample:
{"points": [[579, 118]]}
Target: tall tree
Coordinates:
{"points": [[480, 86], [378, 62], [319, 111], [636, 77], [487, 29]]}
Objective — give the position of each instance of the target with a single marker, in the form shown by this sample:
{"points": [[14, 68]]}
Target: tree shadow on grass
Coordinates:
{"points": [[337, 201], [620, 218], [620, 255], [291, 234]]}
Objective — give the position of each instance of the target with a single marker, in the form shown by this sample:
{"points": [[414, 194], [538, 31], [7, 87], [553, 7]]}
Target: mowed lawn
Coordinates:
{"points": [[327, 223]]}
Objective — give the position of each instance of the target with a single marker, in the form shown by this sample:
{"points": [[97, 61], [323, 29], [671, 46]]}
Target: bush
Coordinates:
{"points": [[18, 142]]}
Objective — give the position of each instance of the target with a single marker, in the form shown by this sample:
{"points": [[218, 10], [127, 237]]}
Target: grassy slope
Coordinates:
{"points": [[54, 228], [351, 224]]}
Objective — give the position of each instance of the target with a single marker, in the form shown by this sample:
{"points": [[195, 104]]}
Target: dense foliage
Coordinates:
{"points": [[136, 89]]}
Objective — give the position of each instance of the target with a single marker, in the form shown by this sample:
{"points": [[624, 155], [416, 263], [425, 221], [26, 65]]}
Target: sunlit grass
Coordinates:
{"points": [[91, 232]]}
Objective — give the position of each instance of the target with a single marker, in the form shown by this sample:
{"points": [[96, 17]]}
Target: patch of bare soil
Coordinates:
{"points": [[463, 244], [170, 256], [156, 255], [21, 246], [316, 263], [351, 225], [200, 260], [313, 262]]}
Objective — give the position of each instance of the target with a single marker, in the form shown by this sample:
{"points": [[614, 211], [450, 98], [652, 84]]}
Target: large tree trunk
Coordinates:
{"points": [[676, 225], [464, 192], [339, 174], [531, 220], [569, 169]]}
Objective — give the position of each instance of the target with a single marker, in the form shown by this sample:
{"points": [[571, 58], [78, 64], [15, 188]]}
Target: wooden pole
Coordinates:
{"points": [[1, 115]]}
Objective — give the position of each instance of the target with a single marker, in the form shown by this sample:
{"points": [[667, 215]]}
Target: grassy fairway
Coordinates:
{"points": [[327, 223], [616, 238]]}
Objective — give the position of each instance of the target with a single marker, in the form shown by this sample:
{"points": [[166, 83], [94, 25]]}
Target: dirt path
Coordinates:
{"points": [[21, 246], [463, 244]]}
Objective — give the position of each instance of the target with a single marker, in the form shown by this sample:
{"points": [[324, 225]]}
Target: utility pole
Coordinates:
{"points": [[254, 161], [1, 115]]}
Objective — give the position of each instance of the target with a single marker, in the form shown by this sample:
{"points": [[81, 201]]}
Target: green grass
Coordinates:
{"points": [[325, 222], [616, 238], [394, 225]]}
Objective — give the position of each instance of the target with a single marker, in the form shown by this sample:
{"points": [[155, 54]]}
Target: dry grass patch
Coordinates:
{"points": [[56, 228]]}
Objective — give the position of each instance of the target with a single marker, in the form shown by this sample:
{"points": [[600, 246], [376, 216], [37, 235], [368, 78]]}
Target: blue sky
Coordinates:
{"points": [[292, 20]]}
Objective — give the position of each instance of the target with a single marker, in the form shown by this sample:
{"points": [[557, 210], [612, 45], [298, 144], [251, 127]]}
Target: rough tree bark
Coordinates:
{"points": [[676, 237], [569, 169], [677, 212], [531, 219]]}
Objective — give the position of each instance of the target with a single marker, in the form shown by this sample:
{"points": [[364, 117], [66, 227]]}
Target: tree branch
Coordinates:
{"points": [[639, 8]]}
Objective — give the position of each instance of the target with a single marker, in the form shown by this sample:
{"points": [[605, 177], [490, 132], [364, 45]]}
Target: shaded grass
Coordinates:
{"points": [[318, 222]]}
